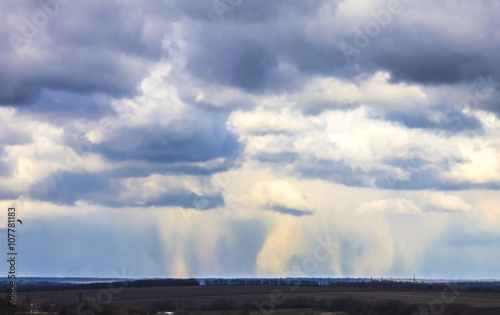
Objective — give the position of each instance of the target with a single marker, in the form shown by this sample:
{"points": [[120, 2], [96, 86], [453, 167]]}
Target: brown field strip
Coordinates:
{"points": [[260, 293]]}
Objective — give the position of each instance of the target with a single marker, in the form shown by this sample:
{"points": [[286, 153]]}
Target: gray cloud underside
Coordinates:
{"points": [[422, 175], [290, 211], [243, 52], [166, 146], [67, 188]]}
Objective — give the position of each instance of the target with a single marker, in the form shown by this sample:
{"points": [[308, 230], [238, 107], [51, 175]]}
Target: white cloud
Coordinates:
{"points": [[481, 154], [372, 91], [259, 121], [280, 193], [437, 200], [389, 206]]}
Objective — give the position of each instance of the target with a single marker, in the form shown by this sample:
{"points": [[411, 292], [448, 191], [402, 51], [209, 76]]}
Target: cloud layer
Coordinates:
{"points": [[242, 138]]}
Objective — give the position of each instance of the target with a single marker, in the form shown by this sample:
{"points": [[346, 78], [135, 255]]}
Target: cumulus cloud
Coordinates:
{"points": [[440, 201], [262, 122], [389, 206], [54, 53], [281, 196]]}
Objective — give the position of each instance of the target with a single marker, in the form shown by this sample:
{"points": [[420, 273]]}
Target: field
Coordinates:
{"points": [[247, 299]]}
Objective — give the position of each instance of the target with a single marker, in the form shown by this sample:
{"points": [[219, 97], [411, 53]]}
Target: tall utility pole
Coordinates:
{"points": [[414, 283]]}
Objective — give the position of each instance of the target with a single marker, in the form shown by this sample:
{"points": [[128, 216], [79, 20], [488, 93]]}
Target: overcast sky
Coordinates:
{"points": [[251, 137]]}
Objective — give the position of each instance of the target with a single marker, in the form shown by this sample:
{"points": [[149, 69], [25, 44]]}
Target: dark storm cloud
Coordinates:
{"points": [[142, 169], [4, 194], [82, 47], [425, 53], [414, 48], [16, 90], [411, 163], [247, 53], [336, 171], [241, 63], [291, 211], [5, 170], [492, 103], [422, 174], [166, 145], [188, 200], [431, 178], [180, 147], [90, 53], [66, 188], [256, 11], [263, 11], [13, 135], [283, 157], [436, 65], [88, 47], [453, 119], [316, 107], [59, 107]]}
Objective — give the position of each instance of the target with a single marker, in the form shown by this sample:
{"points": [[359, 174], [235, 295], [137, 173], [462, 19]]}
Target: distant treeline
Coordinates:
{"points": [[54, 286], [367, 284], [163, 283], [362, 283]]}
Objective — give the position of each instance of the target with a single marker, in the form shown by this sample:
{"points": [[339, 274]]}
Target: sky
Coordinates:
{"points": [[251, 138]]}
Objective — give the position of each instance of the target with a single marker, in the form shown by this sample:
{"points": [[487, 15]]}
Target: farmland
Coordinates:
{"points": [[265, 299]]}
